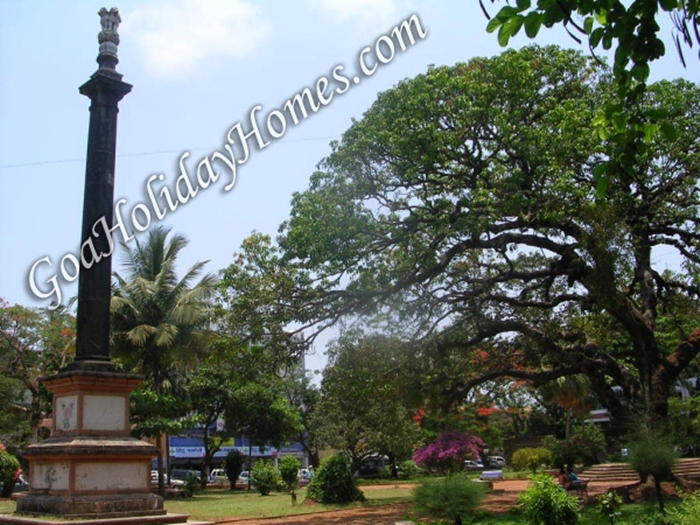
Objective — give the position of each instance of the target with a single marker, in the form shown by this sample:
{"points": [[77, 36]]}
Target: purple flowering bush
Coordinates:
{"points": [[448, 453]]}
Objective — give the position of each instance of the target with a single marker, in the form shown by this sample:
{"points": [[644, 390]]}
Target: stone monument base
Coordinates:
{"points": [[90, 467], [113, 505]]}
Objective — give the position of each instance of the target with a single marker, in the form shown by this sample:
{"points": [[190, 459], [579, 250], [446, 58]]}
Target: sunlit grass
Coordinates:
{"points": [[215, 505]]}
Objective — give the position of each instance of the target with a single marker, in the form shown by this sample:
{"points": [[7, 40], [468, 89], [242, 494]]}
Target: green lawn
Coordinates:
{"points": [[217, 504]]}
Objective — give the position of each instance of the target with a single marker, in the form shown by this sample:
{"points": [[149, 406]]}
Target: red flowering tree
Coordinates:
{"points": [[448, 453]]}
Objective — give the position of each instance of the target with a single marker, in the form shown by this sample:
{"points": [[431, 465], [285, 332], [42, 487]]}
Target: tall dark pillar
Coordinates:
{"points": [[91, 467], [105, 89]]}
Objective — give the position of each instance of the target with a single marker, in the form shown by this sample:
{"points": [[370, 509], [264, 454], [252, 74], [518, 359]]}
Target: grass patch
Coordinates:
{"points": [[214, 505], [7, 506]]}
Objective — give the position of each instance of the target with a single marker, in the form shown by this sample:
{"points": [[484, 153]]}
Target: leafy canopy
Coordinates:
{"points": [[462, 207]]}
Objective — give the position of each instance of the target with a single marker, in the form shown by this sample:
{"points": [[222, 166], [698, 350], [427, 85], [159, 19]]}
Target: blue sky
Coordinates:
{"points": [[197, 67]]}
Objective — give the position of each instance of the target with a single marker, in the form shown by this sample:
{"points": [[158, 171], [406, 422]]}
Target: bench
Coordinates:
{"points": [[580, 487], [491, 474]]}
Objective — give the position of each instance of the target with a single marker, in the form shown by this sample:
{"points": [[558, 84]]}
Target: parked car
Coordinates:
{"points": [[473, 465], [304, 476], [242, 481], [243, 477], [496, 462], [172, 483], [181, 475], [218, 476]]}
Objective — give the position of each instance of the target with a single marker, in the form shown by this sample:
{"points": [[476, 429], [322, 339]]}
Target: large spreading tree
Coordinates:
{"points": [[462, 209]]}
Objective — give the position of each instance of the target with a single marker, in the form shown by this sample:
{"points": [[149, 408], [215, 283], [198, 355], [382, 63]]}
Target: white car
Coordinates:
{"points": [[496, 461], [173, 483], [218, 476]]}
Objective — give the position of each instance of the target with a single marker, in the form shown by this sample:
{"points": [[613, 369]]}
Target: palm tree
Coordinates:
{"points": [[159, 322], [572, 393]]}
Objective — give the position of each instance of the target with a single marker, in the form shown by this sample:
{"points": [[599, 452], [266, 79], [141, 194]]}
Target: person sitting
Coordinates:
{"points": [[564, 479], [572, 475]]}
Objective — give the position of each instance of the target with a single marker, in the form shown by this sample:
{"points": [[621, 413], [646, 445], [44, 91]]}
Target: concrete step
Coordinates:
{"points": [[623, 472]]}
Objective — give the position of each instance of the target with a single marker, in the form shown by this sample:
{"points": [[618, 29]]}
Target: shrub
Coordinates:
{"points": [[264, 476], [609, 505], [9, 467], [447, 454], [233, 465], [544, 502], [585, 445], [408, 469], [688, 511], [191, 485], [289, 470], [456, 498], [531, 458], [334, 483]]}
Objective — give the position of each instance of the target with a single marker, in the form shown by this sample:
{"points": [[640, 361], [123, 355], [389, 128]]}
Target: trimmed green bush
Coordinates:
{"points": [[289, 470], [9, 465], [531, 458], [264, 476], [233, 466], [545, 502], [456, 497], [334, 483]]}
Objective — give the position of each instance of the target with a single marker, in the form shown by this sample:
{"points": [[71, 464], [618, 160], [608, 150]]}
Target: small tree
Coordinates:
{"points": [[264, 476], [531, 458], [334, 483], [447, 454], [233, 465], [289, 470], [544, 502], [653, 456], [9, 468]]}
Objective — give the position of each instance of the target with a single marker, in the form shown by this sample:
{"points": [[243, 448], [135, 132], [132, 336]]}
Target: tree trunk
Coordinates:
{"points": [[659, 494], [161, 477]]}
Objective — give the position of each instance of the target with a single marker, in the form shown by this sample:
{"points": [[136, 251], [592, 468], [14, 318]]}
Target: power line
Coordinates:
{"points": [[142, 154]]}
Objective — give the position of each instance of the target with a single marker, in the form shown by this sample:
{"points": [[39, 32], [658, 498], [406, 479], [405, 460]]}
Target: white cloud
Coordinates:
{"points": [[368, 15], [176, 36]]}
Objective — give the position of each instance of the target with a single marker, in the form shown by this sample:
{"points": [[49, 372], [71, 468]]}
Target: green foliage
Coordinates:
{"points": [[652, 456], [408, 469], [544, 502], [462, 206], [367, 368], [34, 342], [586, 445], [262, 413], [455, 498], [264, 476], [158, 319], [9, 465], [191, 486], [531, 458], [630, 28], [684, 421], [609, 504], [289, 470], [688, 512], [334, 483], [233, 465]]}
